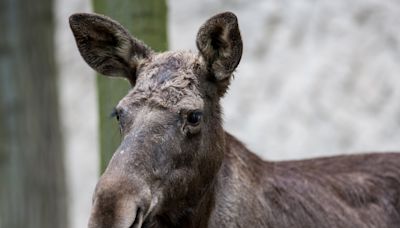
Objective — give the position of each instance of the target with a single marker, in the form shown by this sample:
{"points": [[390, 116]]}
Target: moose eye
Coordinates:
{"points": [[115, 114], [194, 117]]}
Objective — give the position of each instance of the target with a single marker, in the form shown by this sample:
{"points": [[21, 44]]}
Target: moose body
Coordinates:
{"points": [[177, 167]]}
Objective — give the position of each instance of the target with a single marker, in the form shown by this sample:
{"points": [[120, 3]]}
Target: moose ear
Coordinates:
{"points": [[106, 46], [220, 44]]}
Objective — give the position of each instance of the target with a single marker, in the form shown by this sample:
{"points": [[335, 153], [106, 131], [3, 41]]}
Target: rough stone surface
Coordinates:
{"points": [[317, 77]]}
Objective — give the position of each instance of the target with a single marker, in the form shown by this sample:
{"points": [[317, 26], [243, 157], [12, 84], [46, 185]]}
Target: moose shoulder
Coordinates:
{"points": [[177, 167]]}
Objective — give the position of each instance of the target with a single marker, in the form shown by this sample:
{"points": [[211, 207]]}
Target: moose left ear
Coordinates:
{"points": [[107, 47], [220, 44]]}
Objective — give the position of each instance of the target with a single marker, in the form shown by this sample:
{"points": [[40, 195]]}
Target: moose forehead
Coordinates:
{"points": [[168, 80]]}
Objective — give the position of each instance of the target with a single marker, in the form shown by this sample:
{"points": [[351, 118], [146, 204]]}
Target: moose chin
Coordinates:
{"points": [[177, 167]]}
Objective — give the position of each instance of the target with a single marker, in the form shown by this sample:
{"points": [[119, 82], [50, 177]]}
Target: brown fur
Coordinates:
{"points": [[173, 170]]}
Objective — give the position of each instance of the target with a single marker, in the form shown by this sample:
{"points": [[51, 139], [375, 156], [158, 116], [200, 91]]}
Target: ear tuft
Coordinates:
{"points": [[220, 44], [106, 46]]}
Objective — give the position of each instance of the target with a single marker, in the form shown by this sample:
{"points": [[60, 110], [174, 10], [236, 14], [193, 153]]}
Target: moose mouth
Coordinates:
{"points": [[144, 216], [139, 219]]}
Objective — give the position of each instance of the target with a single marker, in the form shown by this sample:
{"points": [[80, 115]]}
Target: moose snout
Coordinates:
{"points": [[120, 202]]}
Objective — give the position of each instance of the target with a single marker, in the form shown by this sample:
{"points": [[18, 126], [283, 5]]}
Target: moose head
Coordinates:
{"points": [[173, 142]]}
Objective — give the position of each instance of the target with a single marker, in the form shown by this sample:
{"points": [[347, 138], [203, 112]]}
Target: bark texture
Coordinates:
{"points": [[32, 180]]}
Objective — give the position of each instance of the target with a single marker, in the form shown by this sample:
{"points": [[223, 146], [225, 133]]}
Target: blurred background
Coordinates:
{"points": [[317, 78]]}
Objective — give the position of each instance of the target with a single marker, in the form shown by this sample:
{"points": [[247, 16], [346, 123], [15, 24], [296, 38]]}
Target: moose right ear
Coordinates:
{"points": [[220, 44], [107, 47]]}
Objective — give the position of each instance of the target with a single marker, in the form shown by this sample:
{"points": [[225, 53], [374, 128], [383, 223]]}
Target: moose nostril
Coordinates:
{"points": [[137, 223]]}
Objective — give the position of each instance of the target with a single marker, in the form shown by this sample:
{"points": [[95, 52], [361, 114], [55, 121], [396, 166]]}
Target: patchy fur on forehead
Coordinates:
{"points": [[169, 80]]}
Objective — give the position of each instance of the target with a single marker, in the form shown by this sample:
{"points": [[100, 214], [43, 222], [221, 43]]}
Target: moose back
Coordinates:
{"points": [[177, 167]]}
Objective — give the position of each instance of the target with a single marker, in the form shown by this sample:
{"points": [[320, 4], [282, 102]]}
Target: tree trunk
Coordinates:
{"points": [[32, 192], [146, 20]]}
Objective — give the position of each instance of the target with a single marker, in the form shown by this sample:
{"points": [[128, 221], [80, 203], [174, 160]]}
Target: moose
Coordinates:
{"points": [[177, 167]]}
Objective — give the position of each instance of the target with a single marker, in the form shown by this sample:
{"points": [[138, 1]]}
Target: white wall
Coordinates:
{"points": [[316, 78], [79, 115]]}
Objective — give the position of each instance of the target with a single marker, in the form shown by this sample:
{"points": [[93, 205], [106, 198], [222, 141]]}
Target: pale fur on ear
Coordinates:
{"points": [[107, 47], [220, 44]]}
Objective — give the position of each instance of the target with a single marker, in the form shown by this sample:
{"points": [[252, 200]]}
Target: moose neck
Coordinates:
{"points": [[194, 209], [198, 213]]}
